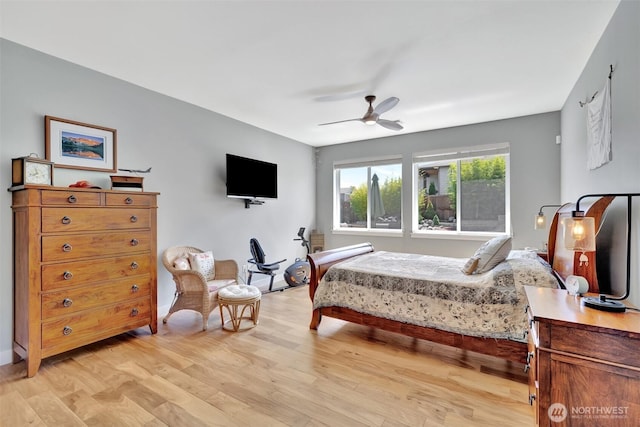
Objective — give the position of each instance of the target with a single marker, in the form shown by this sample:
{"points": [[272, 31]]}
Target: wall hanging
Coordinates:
{"points": [[599, 126]]}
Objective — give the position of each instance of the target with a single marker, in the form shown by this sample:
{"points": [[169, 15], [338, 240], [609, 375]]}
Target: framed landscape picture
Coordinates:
{"points": [[75, 145]]}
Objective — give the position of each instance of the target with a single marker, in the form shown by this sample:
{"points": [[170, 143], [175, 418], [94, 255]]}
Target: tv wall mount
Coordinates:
{"points": [[249, 202]]}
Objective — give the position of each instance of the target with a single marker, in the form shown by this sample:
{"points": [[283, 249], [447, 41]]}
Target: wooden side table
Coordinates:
{"points": [[583, 364], [544, 255]]}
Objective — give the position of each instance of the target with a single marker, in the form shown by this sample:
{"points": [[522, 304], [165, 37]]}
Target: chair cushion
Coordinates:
{"points": [[256, 251], [239, 292], [204, 263], [215, 285]]}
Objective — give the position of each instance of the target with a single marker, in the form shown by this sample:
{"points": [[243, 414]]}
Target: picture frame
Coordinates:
{"points": [[75, 145]]}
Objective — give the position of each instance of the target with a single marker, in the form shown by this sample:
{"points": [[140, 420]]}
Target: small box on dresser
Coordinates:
{"points": [[85, 268], [584, 368]]}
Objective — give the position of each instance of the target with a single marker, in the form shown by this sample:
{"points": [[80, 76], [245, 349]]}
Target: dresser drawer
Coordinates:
{"points": [[72, 300], [75, 198], [77, 246], [70, 274], [120, 199], [89, 219], [615, 347], [92, 325]]}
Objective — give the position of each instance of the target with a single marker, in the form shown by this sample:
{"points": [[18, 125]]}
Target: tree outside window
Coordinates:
{"points": [[369, 197], [464, 194]]}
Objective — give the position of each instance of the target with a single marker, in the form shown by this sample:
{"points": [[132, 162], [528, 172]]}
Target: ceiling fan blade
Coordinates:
{"points": [[386, 105], [390, 124], [341, 96], [340, 121]]}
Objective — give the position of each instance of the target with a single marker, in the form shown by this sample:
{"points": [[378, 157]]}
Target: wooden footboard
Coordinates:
{"points": [[320, 263]]}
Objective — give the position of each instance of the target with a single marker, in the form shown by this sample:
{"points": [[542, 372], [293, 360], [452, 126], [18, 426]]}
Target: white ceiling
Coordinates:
{"points": [[285, 66]]}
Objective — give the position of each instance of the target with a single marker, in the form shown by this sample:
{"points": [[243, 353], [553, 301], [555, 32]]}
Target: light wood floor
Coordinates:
{"points": [[277, 374]]}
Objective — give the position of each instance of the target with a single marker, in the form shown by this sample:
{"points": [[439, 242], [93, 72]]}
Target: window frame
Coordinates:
{"points": [[368, 163], [459, 154]]}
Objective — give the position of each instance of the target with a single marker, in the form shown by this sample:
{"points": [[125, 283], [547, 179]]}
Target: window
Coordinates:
{"points": [[462, 191], [368, 195]]}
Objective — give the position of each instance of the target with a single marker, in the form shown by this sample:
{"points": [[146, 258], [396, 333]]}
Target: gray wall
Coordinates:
{"points": [[620, 46], [184, 144], [535, 172]]}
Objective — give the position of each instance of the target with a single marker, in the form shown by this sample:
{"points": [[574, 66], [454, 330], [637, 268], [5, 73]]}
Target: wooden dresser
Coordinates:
{"points": [[584, 364], [85, 268]]}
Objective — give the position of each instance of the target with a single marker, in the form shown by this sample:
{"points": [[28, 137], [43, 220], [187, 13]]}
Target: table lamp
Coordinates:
{"points": [[579, 235]]}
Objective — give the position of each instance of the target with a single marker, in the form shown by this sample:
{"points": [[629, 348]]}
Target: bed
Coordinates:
{"points": [[430, 298]]}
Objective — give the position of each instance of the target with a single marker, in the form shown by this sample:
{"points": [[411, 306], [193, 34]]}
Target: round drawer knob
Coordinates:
{"points": [[134, 265], [67, 247], [67, 302], [66, 220], [72, 199], [67, 330], [134, 312], [67, 275], [128, 200], [134, 242], [134, 289], [134, 218]]}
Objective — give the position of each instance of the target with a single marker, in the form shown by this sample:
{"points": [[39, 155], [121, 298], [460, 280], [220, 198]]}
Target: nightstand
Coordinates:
{"points": [[544, 255], [583, 364]]}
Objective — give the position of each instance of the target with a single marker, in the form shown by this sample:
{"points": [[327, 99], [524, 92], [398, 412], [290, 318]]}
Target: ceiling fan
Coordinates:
{"points": [[372, 116]]}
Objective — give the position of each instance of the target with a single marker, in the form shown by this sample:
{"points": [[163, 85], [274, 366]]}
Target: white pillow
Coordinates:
{"points": [[492, 253], [204, 263], [471, 265], [181, 263]]}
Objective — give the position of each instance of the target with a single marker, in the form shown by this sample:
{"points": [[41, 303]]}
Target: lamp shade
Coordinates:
{"points": [[579, 234], [541, 220]]}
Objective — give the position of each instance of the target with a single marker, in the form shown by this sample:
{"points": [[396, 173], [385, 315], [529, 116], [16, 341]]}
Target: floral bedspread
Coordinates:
{"points": [[432, 291]]}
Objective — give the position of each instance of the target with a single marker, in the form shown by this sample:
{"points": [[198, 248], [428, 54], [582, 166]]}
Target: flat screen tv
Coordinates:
{"points": [[251, 179]]}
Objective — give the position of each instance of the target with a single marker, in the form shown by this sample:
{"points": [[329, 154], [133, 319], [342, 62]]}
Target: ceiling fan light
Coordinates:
{"points": [[370, 121]]}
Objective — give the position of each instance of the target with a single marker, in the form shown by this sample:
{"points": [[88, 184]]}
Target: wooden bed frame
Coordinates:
{"points": [[564, 262]]}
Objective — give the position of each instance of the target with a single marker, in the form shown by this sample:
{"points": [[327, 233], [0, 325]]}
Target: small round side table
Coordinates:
{"points": [[238, 299]]}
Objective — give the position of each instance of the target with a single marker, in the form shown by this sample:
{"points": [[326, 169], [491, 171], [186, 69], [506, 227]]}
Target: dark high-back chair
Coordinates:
{"points": [[259, 260]]}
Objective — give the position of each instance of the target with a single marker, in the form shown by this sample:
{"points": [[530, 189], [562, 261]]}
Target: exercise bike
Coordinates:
{"points": [[298, 273]]}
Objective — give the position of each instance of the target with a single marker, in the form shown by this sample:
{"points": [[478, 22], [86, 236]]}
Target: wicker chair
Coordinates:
{"points": [[193, 292]]}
